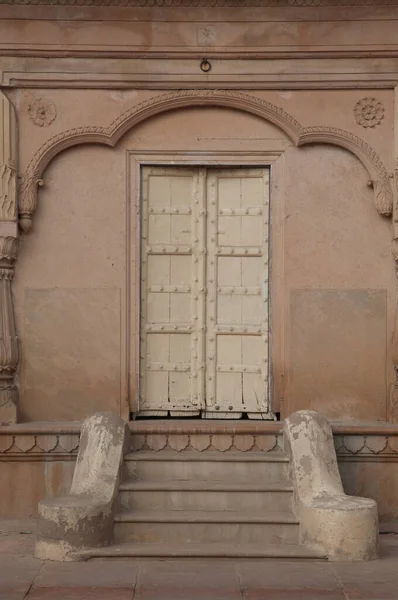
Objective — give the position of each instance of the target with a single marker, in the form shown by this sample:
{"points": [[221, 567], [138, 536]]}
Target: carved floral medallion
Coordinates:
{"points": [[368, 112], [42, 112]]}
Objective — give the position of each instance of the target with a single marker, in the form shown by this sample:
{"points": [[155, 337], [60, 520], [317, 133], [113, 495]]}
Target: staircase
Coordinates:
{"points": [[205, 491]]}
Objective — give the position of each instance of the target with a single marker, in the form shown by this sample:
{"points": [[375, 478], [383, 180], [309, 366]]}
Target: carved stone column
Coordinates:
{"points": [[394, 388], [9, 352]]}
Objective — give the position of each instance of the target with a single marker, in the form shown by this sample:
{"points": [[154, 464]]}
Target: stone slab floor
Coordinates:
{"points": [[23, 577]]}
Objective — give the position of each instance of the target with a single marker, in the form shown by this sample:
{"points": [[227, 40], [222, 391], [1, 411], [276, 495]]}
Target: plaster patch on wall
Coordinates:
{"points": [[71, 353], [338, 353]]}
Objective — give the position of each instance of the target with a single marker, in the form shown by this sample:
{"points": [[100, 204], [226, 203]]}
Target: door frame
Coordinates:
{"points": [[278, 319]]}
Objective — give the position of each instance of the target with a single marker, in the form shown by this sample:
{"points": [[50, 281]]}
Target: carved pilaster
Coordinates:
{"points": [[8, 157], [9, 352], [394, 388], [8, 254]]}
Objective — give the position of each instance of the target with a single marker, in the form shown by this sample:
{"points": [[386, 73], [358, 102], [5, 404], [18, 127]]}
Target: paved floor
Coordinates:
{"points": [[23, 577]]}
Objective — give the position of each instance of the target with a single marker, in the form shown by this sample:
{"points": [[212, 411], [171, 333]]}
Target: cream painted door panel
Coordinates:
{"points": [[204, 292], [237, 294], [172, 291]]}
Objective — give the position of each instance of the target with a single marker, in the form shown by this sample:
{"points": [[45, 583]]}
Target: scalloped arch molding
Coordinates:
{"points": [[383, 197]]}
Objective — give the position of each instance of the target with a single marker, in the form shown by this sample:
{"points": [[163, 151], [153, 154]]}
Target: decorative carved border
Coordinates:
{"points": [[39, 441], [366, 447], [352, 442], [206, 3], [355, 447], [202, 442], [110, 135], [47, 445], [50, 446]]}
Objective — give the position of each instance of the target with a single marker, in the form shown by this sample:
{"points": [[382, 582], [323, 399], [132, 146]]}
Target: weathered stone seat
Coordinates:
{"points": [[344, 527], [84, 518]]}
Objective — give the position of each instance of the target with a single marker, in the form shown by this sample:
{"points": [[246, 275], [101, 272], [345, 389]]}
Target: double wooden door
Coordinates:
{"points": [[204, 292]]}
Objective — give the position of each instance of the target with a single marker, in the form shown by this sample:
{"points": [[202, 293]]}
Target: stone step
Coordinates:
{"points": [[204, 495], [214, 550], [247, 467], [206, 527]]}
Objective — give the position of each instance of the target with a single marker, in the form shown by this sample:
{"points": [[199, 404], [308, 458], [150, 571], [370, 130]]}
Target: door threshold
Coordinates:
{"points": [[203, 415]]}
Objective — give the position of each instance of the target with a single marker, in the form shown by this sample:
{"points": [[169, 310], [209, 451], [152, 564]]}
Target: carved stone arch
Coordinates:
{"points": [[379, 177], [189, 98]]}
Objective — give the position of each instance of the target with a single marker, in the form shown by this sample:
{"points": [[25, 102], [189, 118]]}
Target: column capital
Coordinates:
{"points": [[8, 250]]}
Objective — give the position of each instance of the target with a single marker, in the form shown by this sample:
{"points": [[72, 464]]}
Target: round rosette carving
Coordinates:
{"points": [[368, 112], [42, 112]]}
